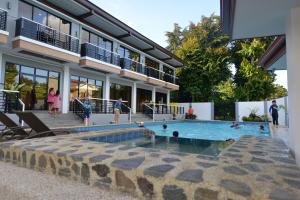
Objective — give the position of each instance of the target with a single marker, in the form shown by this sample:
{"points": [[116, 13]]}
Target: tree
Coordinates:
{"points": [[254, 83], [174, 38], [279, 91], [204, 48]]}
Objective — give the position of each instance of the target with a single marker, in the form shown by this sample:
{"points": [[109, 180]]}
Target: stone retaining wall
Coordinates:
{"points": [[252, 168]]}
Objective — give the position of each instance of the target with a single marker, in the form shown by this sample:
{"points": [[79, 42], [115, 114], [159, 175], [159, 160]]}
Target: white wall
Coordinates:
{"points": [[262, 107], [203, 111], [244, 108]]}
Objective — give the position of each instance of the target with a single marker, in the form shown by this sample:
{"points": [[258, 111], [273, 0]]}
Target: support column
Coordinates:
{"points": [[293, 71], [133, 97], [168, 97], [153, 95], [66, 89], [2, 70], [106, 89]]}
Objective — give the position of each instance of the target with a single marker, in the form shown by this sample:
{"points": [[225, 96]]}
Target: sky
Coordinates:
{"points": [[153, 18]]}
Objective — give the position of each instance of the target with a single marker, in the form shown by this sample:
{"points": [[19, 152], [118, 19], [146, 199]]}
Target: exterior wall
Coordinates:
{"points": [[203, 111], [262, 108], [293, 60]]}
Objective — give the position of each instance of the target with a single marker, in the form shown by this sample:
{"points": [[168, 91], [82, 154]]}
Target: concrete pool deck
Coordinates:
{"points": [[251, 168]]}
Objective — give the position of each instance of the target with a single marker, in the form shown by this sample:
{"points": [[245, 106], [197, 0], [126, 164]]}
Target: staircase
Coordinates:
{"points": [[60, 121], [139, 117]]}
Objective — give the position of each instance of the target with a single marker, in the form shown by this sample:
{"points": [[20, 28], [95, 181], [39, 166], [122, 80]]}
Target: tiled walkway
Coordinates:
{"points": [[252, 168]]}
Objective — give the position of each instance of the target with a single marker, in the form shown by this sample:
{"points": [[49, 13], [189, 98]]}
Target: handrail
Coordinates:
{"points": [[93, 98], [130, 110], [50, 28], [153, 111], [23, 109], [9, 91], [101, 48]]}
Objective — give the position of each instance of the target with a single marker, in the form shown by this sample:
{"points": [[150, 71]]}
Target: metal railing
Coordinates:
{"points": [[3, 19], [148, 110], [165, 109], [78, 108], [96, 52], [132, 65], [36, 31]]}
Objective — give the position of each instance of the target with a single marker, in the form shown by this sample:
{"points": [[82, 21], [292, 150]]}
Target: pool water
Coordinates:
{"points": [[215, 131], [184, 145]]}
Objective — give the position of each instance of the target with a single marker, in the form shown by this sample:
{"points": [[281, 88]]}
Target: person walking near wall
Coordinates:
{"points": [[274, 113], [118, 109], [57, 103]]}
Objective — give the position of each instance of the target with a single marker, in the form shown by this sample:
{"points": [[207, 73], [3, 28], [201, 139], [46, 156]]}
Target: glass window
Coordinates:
{"points": [[121, 51], [41, 72], [65, 26], [120, 91], [168, 70], [54, 74], [152, 63], [99, 83], [11, 75], [83, 89], [74, 87], [85, 37], [27, 70], [93, 39], [25, 10], [127, 53], [39, 16], [53, 22]]}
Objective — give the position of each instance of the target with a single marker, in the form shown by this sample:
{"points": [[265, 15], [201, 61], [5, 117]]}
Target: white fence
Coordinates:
{"points": [[205, 111]]}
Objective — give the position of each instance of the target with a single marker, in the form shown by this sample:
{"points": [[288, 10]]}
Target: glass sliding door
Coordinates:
{"points": [[142, 96], [83, 87], [120, 91], [34, 82]]}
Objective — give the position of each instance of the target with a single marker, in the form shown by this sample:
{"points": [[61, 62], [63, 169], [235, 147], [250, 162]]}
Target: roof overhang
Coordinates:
{"points": [[274, 57], [255, 18], [90, 14]]}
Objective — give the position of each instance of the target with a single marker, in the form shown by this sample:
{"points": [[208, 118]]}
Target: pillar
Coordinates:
{"points": [[153, 95], [106, 89], [133, 97], [293, 71], [66, 89], [2, 70], [168, 97]]}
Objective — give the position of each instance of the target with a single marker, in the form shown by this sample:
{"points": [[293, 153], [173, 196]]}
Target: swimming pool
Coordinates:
{"points": [[140, 138], [206, 130]]}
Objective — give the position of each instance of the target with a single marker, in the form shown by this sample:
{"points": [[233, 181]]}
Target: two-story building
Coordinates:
{"points": [[79, 49]]}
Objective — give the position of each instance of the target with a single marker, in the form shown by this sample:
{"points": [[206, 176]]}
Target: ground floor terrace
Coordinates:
{"points": [[36, 76], [254, 167]]}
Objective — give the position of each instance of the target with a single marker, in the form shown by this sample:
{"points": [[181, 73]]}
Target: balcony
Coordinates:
{"points": [[3, 23], [132, 70], [171, 82], [155, 77], [99, 59], [44, 41]]}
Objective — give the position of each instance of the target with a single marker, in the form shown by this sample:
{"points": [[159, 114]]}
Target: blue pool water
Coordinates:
{"points": [[216, 131]]}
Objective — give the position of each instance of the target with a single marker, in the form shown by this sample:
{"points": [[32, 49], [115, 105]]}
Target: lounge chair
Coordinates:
{"points": [[11, 128], [40, 129]]}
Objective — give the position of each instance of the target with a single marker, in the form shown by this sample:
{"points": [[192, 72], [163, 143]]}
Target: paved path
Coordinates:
{"points": [[18, 183]]}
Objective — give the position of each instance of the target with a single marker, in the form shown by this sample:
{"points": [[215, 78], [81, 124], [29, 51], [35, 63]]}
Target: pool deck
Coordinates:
{"points": [[251, 168]]}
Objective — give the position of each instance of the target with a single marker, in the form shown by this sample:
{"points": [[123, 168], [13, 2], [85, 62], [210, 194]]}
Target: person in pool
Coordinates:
{"points": [[261, 128], [175, 134], [165, 126], [235, 125]]}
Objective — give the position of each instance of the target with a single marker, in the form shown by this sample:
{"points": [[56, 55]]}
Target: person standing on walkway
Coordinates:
{"points": [[274, 113], [87, 111], [50, 100], [118, 109], [57, 103]]}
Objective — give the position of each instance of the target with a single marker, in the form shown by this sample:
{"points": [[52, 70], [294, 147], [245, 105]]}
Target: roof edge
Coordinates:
{"points": [[274, 52]]}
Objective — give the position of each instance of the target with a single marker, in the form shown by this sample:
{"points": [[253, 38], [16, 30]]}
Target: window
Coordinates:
{"points": [[25, 10], [168, 70], [120, 91], [97, 40], [39, 16], [127, 53], [151, 63], [43, 17], [85, 87]]}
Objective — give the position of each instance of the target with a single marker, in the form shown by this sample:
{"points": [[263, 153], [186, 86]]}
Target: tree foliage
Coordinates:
{"points": [[209, 55]]}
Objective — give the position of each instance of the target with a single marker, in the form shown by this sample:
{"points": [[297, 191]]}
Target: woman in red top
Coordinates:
{"points": [[50, 100]]}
